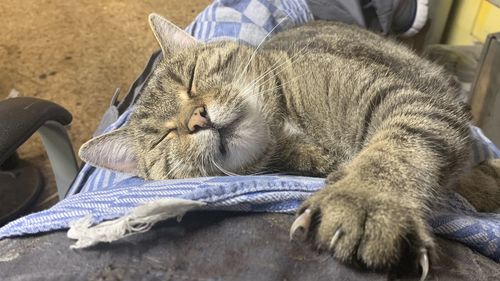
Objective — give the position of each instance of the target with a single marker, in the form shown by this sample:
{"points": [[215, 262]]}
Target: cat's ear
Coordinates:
{"points": [[170, 37], [112, 151]]}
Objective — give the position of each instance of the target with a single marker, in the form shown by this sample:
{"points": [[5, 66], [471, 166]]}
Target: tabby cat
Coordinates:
{"points": [[325, 99]]}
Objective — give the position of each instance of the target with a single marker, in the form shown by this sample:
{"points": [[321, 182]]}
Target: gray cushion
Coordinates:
{"points": [[210, 246]]}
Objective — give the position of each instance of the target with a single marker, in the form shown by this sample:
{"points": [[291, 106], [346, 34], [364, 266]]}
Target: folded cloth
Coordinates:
{"points": [[98, 195], [454, 218]]}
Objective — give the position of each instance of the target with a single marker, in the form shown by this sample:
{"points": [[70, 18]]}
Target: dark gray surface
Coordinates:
{"points": [[377, 15], [210, 246]]}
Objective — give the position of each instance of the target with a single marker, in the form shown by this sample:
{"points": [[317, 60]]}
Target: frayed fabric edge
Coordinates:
{"points": [[140, 219]]}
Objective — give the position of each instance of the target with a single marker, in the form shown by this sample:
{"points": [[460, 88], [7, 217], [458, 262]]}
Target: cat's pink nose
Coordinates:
{"points": [[198, 120]]}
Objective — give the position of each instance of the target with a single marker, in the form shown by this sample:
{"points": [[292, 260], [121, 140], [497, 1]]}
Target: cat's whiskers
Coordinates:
{"points": [[252, 83], [281, 85], [224, 171], [249, 91], [255, 51], [202, 165], [240, 77], [171, 172], [173, 169], [205, 162], [273, 68], [229, 173]]}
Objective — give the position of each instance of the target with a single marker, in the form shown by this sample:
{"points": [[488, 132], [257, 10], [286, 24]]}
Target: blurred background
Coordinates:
{"points": [[76, 53]]}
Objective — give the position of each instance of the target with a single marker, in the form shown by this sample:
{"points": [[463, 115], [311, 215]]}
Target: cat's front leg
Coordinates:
{"points": [[374, 210], [374, 228], [297, 155]]}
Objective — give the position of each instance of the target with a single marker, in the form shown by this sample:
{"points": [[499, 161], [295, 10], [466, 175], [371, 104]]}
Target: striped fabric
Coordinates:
{"points": [[456, 219], [243, 193], [248, 21], [482, 148], [103, 195]]}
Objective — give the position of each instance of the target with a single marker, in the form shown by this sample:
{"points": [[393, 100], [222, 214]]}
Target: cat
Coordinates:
{"points": [[385, 127]]}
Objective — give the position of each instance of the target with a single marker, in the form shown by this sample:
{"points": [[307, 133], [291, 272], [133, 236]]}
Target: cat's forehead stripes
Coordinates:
{"points": [[217, 58]]}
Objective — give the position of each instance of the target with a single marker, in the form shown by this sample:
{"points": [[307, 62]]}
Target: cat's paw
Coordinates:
{"points": [[374, 228]]}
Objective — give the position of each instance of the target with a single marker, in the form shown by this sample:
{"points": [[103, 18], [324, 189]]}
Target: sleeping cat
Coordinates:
{"points": [[326, 99]]}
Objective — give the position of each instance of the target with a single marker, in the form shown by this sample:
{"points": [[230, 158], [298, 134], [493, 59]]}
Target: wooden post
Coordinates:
{"points": [[485, 91]]}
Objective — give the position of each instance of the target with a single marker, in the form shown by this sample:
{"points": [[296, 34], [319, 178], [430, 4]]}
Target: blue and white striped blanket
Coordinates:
{"points": [[104, 195]]}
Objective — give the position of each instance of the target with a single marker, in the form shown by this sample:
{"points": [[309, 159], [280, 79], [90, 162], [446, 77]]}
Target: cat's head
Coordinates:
{"points": [[196, 115]]}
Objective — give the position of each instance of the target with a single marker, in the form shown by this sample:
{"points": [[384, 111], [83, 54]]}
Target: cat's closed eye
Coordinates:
{"points": [[191, 88], [168, 133]]}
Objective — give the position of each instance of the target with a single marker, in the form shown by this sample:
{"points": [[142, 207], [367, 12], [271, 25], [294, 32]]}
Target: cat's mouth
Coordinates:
{"points": [[226, 134], [239, 137]]}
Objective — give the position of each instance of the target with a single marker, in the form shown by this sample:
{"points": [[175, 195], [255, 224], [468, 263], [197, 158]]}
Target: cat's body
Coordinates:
{"points": [[323, 99], [339, 92]]}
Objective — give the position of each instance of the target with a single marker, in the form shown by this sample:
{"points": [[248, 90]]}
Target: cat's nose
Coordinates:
{"points": [[198, 119]]}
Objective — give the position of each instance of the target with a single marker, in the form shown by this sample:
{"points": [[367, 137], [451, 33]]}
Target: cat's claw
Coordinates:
{"points": [[300, 229], [335, 238], [423, 260], [301, 223]]}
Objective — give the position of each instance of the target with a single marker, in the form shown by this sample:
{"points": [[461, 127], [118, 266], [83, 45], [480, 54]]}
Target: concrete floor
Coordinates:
{"points": [[76, 53]]}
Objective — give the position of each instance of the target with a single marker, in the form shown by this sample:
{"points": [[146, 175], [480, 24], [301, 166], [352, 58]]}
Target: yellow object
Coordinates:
{"points": [[472, 21], [487, 20]]}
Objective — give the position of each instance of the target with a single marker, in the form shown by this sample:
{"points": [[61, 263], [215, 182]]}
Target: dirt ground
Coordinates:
{"points": [[76, 53]]}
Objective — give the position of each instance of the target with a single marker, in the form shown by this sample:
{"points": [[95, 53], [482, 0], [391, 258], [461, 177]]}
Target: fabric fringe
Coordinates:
{"points": [[140, 219]]}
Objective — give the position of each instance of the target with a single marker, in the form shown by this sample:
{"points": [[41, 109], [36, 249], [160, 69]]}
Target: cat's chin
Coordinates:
{"points": [[239, 138], [243, 144]]}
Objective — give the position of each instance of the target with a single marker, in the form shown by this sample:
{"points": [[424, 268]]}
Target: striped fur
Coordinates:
{"points": [[324, 99]]}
